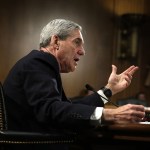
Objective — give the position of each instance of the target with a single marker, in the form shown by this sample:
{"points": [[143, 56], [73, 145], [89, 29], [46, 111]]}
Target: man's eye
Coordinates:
{"points": [[77, 42]]}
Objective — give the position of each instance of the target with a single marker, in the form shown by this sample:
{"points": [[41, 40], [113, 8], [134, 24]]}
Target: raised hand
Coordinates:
{"points": [[119, 82]]}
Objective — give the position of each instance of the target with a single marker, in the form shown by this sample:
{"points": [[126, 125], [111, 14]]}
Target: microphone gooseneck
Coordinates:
{"points": [[89, 87]]}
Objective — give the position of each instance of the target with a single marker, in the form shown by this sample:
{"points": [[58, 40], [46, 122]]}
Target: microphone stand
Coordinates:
{"points": [[89, 87]]}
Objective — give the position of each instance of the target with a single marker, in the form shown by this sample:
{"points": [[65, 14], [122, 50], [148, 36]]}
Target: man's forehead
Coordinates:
{"points": [[76, 34]]}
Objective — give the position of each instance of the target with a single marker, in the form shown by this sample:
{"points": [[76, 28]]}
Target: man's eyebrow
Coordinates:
{"points": [[80, 40]]}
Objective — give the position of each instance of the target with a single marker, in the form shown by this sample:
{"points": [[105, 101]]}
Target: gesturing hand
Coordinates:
{"points": [[118, 82]]}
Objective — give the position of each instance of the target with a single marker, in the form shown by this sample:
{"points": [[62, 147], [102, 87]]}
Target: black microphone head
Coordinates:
{"points": [[88, 87]]}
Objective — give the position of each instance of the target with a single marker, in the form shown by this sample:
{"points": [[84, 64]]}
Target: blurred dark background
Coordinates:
{"points": [[112, 29]]}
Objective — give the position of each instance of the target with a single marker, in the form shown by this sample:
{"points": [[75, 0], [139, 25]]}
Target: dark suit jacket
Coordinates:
{"points": [[35, 99]]}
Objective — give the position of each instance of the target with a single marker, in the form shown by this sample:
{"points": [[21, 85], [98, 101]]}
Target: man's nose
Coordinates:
{"points": [[81, 51]]}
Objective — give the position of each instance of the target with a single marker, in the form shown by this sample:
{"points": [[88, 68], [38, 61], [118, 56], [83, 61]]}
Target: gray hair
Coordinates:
{"points": [[60, 27]]}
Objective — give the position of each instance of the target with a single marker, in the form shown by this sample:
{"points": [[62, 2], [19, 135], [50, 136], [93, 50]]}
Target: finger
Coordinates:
{"points": [[137, 119], [131, 72], [139, 107], [139, 111], [129, 69], [128, 80], [139, 115], [129, 76]]}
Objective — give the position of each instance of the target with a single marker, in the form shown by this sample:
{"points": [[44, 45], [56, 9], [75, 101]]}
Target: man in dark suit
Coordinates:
{"points": [[34, 94]]}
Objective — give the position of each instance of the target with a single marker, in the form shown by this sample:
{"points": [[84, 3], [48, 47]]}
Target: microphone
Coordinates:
{"points": [[89, 87]]}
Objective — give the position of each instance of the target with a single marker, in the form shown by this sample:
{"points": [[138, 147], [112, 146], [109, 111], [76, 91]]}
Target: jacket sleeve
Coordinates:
{"points": [[92, 100]]}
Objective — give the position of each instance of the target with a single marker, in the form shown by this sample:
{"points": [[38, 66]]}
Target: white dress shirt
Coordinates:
{"points": [[97, 114]]}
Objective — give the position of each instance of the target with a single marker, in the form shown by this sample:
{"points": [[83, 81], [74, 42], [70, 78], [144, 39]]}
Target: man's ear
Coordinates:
{"points": [[55, 41]]}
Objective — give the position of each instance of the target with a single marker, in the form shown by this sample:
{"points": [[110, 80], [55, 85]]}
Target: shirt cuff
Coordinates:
{"points": [[96, 116], [100, 92]]}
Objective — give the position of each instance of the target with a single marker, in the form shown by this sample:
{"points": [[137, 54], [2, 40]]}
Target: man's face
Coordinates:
{"points": [[70, 51]]}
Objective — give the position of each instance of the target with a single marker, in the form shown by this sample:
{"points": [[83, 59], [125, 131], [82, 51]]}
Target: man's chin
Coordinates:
{"points": [[71, 69], [74, 68]]}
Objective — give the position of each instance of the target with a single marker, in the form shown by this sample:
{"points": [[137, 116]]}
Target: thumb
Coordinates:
{"points": [[114, 69]]}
